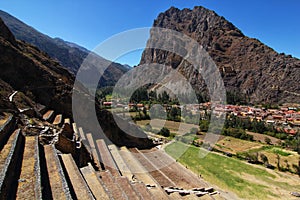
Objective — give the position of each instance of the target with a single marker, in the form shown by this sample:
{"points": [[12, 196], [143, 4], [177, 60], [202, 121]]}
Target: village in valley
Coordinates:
{"points": [[284, 118]]}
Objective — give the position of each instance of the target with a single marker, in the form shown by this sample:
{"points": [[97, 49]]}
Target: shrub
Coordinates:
{"points": [[268, 140], [164, 132]]}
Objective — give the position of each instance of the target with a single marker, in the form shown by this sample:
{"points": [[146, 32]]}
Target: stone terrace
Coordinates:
{"points": [[64, 162]]}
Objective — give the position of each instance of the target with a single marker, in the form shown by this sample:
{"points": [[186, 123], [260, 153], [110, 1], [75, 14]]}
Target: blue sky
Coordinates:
{"points": [[90, 22]]}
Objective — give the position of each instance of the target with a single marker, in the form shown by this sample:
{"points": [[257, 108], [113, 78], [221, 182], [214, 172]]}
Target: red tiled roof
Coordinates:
{"points": [[290, 131]]}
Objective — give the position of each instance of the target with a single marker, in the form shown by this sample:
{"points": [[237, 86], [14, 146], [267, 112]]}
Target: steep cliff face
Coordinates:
{"points": [[247, 66]]}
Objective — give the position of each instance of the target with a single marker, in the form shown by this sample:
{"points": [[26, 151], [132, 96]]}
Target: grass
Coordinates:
{"points": [[234, 145], [279, 151], [246, 180]]}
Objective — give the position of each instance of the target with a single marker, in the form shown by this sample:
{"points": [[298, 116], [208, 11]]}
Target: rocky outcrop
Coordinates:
{"points": [[248, 67]]}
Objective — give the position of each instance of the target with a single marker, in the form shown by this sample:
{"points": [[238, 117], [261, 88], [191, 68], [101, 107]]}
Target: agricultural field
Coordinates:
{"points": [[234, 145], [171, 125], [261, 138], [231, 174], [286, 158]]}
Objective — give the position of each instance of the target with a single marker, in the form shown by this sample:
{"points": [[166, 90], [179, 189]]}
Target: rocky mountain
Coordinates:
{"points": [[250, 69], [30, 79], [26, 69], [67, 54]]}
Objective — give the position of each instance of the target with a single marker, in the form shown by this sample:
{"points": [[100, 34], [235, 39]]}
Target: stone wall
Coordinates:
{"points": [[7, 129]]}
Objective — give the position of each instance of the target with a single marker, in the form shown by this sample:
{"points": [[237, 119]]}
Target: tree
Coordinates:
{"points": [[164, 132], [152, 95], [139, 95], [204, 124], [287, 164], [174, 114], [252, 158], [164, 97], [264, 159], [278, 162], [268, 140], [297, 168]]}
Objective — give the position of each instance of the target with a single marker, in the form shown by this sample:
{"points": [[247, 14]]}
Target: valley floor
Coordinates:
{"points": [[246, 180]]}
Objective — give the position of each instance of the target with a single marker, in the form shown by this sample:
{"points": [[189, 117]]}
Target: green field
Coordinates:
{"points": [[247, 181]]}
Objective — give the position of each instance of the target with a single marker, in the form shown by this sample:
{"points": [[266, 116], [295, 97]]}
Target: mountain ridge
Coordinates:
{"points": [[248, 67], [68, 54]]}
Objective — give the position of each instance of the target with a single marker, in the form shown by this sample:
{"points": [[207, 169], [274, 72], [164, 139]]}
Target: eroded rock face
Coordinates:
{"points": [[247, 66]]}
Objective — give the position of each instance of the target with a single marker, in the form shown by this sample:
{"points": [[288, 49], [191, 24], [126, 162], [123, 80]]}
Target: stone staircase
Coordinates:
{"points": [[107, 159], [10, 165], [74, 178], [113, 187], [94, 182], [29, 184], [31, 170], [57, 183]]}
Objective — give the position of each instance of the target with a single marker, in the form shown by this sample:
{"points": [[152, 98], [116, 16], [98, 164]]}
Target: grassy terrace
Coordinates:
{"points": [[246, 180]]}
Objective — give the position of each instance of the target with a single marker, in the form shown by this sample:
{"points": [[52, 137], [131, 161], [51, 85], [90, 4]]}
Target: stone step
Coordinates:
{"points": [[81, 133], [154, 171], [141, 174], [57, 181], [76, 132], [113, 187], [93, 150], [49, 116], [124, 169], [67, 121], [94, 182], [142, 191], [180, 175], [177, 196], [74, 125], [127, 187], [58, 120], [10, 165], [74, 178], [106, 158], [29, 186], [7, 129]]}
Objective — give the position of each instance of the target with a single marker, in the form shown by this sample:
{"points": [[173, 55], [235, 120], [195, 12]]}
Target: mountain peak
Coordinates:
{"points": [[199, 19], [6, 33], [248, 67]]}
